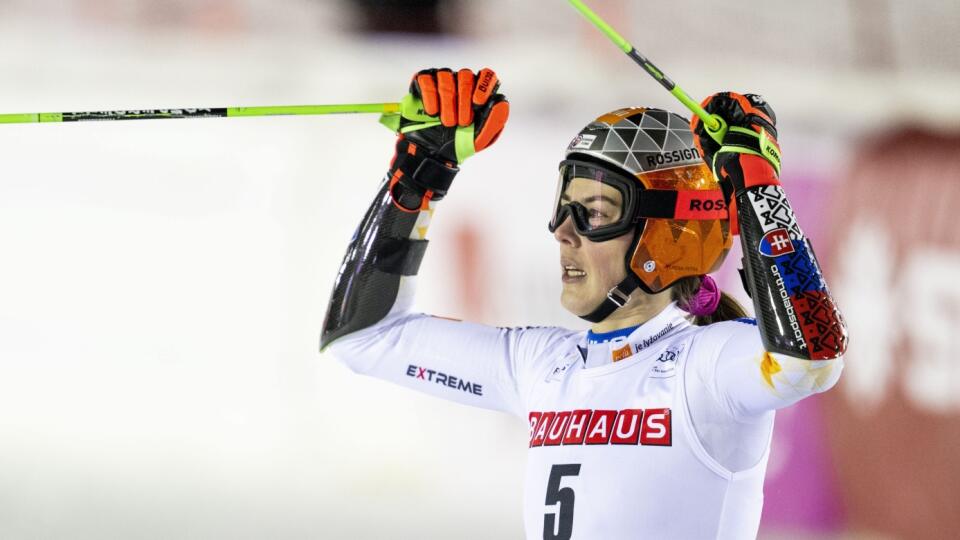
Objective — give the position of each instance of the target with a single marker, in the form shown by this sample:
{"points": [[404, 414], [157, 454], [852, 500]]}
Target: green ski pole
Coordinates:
{"points": [[217, 112], [715, 125]]}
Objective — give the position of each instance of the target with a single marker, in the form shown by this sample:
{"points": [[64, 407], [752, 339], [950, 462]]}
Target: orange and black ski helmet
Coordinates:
{"points": [[639, 170]]}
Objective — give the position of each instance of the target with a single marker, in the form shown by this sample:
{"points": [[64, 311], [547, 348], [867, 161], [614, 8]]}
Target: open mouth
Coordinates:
{"points": [[572, 273]]}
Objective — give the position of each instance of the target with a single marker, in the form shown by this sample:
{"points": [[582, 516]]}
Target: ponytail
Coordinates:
{"points": [[727, 310]]}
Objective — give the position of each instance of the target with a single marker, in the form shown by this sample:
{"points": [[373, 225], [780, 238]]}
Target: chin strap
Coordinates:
{"points": [[617, 297]]}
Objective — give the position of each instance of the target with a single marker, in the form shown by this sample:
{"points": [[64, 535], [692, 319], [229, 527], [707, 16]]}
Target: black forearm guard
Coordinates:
{"points": [[795, 311], [380, 253]]}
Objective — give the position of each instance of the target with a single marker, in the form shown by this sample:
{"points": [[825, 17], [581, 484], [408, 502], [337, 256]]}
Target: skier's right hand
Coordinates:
{"points": [[445, 118], [456, 114]]}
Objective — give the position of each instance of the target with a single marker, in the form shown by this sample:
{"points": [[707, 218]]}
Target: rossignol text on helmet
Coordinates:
{"points": [[638, 170]]}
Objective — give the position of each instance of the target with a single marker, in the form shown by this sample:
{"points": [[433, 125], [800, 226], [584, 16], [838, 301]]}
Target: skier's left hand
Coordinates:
{"points": [[749, 154]]}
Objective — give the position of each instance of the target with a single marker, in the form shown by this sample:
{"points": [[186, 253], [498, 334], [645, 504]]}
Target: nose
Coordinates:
{"points": [[566, 233]]}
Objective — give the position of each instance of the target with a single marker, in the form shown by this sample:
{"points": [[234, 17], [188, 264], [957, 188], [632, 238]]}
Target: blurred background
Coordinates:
{"points": [[163, 284]]}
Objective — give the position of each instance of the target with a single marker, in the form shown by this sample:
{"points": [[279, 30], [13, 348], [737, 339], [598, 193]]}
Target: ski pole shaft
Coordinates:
{"points": [[715, 125], [217, 112]]}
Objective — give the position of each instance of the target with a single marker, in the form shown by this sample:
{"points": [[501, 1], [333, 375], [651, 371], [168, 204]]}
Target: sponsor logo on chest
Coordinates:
{"points": [[644, 343], [559, 370], [666, 364], [648, 427]]}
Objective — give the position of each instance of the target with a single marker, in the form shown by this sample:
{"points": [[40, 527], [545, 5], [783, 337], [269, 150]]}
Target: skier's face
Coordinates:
{"points": [[590, 269]]}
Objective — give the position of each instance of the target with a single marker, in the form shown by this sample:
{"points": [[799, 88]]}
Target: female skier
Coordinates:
{"points": [[655, 423]]}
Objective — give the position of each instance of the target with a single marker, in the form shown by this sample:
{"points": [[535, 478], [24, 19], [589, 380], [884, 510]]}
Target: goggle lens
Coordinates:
{"points": [[598, 201]]}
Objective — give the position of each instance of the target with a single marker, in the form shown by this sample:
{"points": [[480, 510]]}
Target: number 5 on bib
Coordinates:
{"points": [[559, 525]]}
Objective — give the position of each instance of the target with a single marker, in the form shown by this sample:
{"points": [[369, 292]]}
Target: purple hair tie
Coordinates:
{"points": [[705, 301]]}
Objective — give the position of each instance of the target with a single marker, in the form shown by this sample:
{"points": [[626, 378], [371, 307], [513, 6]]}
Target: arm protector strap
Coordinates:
{"points": [[797, 315], [380, 253]]}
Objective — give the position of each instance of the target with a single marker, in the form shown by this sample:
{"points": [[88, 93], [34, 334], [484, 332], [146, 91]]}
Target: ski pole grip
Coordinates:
{"points": [[716, 127]]}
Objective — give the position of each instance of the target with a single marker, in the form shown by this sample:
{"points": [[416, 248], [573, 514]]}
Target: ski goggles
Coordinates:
{"points": [[601, 203], [604, 204]]}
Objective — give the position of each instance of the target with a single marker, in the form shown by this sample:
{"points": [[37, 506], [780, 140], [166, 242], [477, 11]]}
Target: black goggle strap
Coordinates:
{"points": [[616, 298], [684, 204]]}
